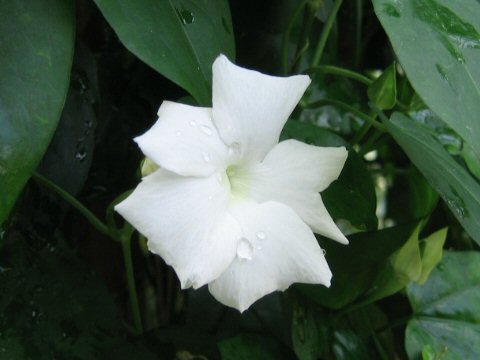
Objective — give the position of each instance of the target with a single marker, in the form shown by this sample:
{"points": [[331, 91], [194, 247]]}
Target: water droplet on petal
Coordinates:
{"points": [[178, 133], [206, 130], [219, 177], [210, 197], [259, 247], [234, 149], [245, 250], [193, 123], [206, 157], [261, 235]]}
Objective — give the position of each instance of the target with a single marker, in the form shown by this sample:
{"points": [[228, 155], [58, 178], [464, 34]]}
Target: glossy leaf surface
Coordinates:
{"points": [[454, 183], [36, 50], [178, 38], [437, 43], [447, 310]]}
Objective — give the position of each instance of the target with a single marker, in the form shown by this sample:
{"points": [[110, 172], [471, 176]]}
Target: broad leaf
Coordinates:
{"points": [[447, 310], [36, 50], [437, 43], [453, 182], [178, 38]]}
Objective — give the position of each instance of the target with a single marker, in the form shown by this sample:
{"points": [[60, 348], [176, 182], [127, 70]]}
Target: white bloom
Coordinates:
{"points": [[230, 206]]}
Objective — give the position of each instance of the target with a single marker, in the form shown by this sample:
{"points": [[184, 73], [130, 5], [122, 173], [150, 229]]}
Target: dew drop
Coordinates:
{"points": [[178, 133], [206, 130], [259, 247], [210, 197], [193, 123], [261, 235], [245, 250], [206, 157], [234, 149]]}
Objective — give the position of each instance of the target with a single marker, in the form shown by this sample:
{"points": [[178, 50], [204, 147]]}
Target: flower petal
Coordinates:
{"points": [[277, 249], [250, 108], [184, 140], [293, 173], [186, 222]]}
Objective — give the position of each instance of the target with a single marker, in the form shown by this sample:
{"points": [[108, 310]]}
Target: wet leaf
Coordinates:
{"points": [[178, 38], [437, 43]]}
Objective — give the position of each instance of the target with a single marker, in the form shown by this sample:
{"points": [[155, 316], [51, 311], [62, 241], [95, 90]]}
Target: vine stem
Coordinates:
{"points": [[286, 35], [124, 237], [97, 224], [379, 126], [335, 70], [326, 32], [132, 289]]}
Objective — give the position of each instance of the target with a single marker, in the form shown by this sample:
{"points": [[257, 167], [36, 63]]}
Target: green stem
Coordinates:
{"points": [[361, 133], [286, 35], [99, 225], [325, 32], [369, 144], [349, 108], [334, 70], [132, 290], [358, 32]]}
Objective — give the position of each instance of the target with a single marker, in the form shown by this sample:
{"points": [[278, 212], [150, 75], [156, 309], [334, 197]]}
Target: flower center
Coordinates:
{"points": [[238, 178]]}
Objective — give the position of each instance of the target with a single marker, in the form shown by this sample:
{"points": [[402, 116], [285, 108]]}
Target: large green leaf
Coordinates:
{"points": [[36, 49], [178, 38], [453, 182], [447, 310], [437, 43]]}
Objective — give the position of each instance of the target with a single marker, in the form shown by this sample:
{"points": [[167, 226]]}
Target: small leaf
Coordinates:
{"points": [[432, 251], [383, 91]]}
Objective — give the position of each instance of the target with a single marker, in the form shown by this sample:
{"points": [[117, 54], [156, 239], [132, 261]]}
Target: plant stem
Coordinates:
{"points": [[349, 108], [286, 35], [358, 32], [97, 224], [132, 290], [330, 69], [325, 32]]}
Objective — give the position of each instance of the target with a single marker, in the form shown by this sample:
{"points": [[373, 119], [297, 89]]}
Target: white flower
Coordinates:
{"points": [[229, 206]]}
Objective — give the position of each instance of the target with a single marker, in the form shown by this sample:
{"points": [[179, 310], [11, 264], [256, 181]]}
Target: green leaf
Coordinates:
{"points": [[356, 265], [354, 185], [453, 182], [437, 44], [432, 251], [447, 310], [252, 347], [178, 38], [383, 91], [35, 57]]}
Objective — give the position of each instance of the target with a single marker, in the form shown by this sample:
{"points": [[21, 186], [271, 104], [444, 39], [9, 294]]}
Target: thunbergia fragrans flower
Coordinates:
{"points": [[230, 206]]}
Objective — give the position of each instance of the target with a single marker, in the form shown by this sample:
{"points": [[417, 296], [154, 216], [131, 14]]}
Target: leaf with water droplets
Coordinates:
{"points": [[178, 38], [438, 45]]}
